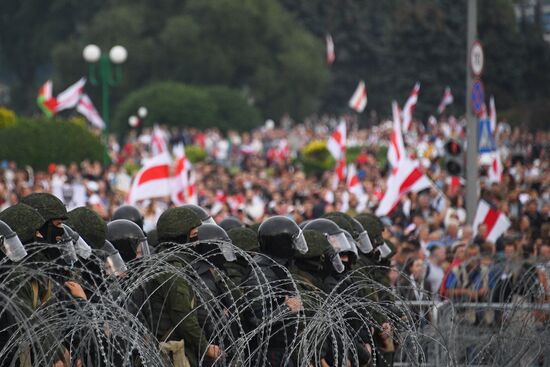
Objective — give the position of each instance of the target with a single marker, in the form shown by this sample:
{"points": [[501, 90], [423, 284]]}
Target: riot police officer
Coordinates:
{"points": [[172, 298], [273, 294]]}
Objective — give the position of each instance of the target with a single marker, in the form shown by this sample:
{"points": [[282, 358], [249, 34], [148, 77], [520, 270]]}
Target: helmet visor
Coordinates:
{"points": [[339, 242], [336, 261], [385, 250], [209, 220], [114, 265], [299, 243], [82, 249], [364, 244], [227, 250], [142, 249], [13, 248]]}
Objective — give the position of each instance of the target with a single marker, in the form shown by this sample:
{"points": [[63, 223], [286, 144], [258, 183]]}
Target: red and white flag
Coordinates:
{"points": [[408, 109], [353, 183], [331, 54], [447, 100], [158, 141], [495, 170], [336, 144], [454, 183], [396, 150], [153, 180], [493, 114], [87, 108], [183, 184], [339, 172], [70, 97], [406, 178], [496, 222], [358, 101]]}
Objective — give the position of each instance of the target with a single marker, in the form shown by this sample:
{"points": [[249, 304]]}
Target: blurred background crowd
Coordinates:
{"points": [[261, 173]]}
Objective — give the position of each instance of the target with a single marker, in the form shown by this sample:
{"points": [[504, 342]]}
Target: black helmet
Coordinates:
{"points": [[230, 222], [212, 239], [244, 238], [129, 212], [10, 245], [280, 236], [127, 238], [334, 234], [24, 220], [202, 214], [48, 205]]}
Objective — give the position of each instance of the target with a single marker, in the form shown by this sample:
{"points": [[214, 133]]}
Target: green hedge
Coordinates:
{"points": [[316, 158], [178, 104], [39, 142]]}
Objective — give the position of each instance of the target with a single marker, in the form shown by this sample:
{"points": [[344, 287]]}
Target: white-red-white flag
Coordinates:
{"points": [[353, 183], [496, 222], [153, 180], [446, 100], [158, 141], [408, 109], [454, 183], [70, 97], [331, 54], [340, 169], [493, 114], [407, 177], [88, 110], [183, 183], [396, 150], [336, 144], [495, 170], [358, 100]]}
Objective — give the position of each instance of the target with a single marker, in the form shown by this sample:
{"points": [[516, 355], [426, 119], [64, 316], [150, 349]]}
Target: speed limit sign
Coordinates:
{"points": [[476, 58]]}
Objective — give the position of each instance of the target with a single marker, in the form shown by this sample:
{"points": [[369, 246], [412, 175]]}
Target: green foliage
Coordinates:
{"points": [[7, 118], [178, 104], [232, 110], [195, 153], [316, 158], [39, 142], [249, 45]]}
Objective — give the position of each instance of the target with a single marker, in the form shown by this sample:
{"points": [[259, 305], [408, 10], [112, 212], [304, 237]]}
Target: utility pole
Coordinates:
{"points": [[472, 178]]}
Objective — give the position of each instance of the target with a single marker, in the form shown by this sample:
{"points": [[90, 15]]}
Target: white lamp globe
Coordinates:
{"points": [[118, 54], [133, 121], [142, 112], [91, 53]]}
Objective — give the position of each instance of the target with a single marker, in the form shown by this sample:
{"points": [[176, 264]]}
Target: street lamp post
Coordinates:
{"points": [[103, 75]]}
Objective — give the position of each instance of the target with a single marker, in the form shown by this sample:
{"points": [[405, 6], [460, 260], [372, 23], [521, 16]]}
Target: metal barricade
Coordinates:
{"points": [[478, 334]]}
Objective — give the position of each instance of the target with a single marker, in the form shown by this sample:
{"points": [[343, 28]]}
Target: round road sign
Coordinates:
{"points": [[476, 58]]}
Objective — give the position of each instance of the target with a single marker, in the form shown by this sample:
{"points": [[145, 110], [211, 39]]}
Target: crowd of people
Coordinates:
{"points": [[423, 251]]}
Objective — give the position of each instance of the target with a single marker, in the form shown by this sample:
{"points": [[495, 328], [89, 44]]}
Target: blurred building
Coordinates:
{"points": [[533, 11]]}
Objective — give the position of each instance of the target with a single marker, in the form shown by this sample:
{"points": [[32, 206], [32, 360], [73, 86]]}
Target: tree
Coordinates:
{"points": [[30, 29], [254, 46]]}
